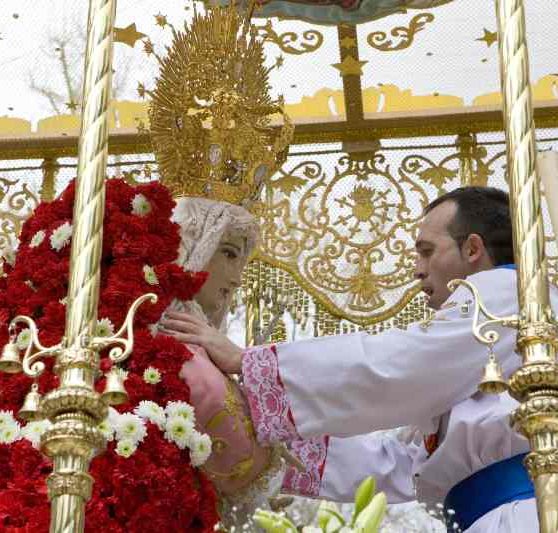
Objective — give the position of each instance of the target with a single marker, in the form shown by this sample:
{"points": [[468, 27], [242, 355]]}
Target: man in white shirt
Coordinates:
{"points": [[323, 396]]}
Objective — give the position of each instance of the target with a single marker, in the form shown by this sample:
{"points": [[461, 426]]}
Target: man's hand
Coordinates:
{"points": [[191, 330]]}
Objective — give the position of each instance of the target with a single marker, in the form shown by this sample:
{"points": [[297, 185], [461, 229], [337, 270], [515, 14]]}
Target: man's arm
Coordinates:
{"points": [[335, 467], [353, 384]]}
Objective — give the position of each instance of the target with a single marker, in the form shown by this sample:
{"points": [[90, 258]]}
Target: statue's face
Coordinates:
{"points": [[225, 274]]}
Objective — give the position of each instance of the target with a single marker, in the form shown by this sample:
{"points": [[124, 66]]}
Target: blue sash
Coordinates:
{"points": [[510, 266], [499, 483]]}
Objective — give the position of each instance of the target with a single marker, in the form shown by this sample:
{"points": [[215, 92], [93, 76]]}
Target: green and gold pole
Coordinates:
{"points": [[75, 408], [535, 384]]}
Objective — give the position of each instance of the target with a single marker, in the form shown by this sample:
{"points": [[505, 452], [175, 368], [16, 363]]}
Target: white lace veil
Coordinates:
{"points": [[202, 224]]}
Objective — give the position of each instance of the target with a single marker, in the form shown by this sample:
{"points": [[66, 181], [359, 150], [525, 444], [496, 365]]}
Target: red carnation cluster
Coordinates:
{"points": [[157, 487]]}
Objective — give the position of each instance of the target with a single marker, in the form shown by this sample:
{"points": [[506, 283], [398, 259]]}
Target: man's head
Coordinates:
{"points": [[463, 232]]}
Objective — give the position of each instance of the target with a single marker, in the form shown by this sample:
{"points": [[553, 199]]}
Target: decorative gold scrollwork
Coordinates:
{"points": [[290, 42], [17, 202], [449, 169], [405, 35], [348, 235]]}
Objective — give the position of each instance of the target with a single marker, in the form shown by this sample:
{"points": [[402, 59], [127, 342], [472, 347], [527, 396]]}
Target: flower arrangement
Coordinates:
{"points": [[368, 513], [148, 478]]}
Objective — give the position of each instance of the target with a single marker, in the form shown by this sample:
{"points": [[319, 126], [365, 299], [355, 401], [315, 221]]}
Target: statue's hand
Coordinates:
{"points": [[192, 330]]}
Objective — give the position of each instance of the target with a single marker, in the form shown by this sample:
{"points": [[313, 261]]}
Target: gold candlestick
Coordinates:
{"points": [[75, 408], [535, 384]]}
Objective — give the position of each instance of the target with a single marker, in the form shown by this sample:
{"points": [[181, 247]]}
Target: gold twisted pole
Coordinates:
{"points": [[75, 407], [535, 384]]}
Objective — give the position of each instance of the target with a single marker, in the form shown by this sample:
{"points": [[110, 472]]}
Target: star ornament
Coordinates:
{"points": [[348, 42], [350, 66], [128, 35], [161, 20], [489, 37]]}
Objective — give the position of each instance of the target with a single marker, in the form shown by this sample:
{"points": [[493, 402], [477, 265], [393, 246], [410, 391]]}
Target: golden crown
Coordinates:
{"points": [[211, 111]]}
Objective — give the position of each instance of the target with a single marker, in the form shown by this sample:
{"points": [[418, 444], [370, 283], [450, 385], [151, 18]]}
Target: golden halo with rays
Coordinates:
{"points": [[211, 111]]}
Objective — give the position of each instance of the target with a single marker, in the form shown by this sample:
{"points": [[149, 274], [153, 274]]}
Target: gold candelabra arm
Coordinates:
{"points": [[124, 337], [480, 328], [32, 366]]}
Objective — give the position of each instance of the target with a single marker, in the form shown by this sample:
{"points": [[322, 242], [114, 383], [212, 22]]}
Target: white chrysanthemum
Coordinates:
{"points": [[150, 275], [61, 236], [37, 239], [130, 426], [120, 372], [10, 432], [151, 375], [23, 339], [6, 417], [152, 412], [104, 328], [179, 430], [182, 409], [140, 205], [126, 448], [200, 448], [33, 431], [106, 429], [112, 416], [8, 254]]}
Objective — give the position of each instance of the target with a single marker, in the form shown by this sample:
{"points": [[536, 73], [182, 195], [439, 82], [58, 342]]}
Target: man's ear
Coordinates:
{"points": [[473, 248]]}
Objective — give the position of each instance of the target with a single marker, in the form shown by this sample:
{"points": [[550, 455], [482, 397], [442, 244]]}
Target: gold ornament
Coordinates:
{"points": [[350, 66], [10, 361], [30, 410], [211, 111], [492, 381], [114, 393], [489, 37], [128, 35]]}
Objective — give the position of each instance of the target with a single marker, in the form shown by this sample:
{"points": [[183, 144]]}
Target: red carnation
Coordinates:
{"points": [[156, 487]]}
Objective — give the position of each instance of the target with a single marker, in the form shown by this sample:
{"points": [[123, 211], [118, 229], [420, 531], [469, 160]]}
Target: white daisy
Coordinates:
{"points": [[104, 328], [151, 375], [140, 205], [181, 409], [37, 239], [179, 430], [200, 448], [34, 430], [8, 253], [23, 339], [106, 429], [130, 426], [61, 236], [123, 374], [152, 412], [149, 275], [10, 432], [126, 448], [6, 417], [113, 416]]}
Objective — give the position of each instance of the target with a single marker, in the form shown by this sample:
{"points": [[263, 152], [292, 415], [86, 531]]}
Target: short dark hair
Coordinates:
{"points": [[486, 212]]}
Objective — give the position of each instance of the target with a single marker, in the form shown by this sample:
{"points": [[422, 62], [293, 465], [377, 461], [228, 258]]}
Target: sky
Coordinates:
{"points": [[446, 57]]}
